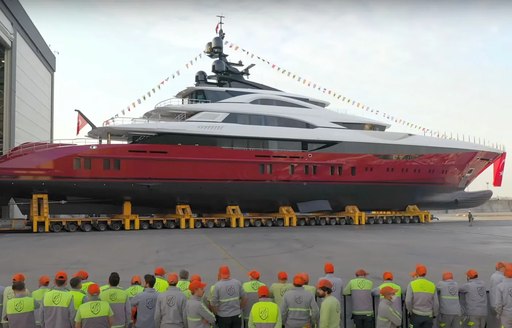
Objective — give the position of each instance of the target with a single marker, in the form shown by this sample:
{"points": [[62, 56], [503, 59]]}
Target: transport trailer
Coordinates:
{"points": [[40, 220]]}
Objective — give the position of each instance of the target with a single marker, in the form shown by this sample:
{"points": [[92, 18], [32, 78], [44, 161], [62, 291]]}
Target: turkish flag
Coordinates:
{"points": [[217, 28], [499, 168], [80, 123]]}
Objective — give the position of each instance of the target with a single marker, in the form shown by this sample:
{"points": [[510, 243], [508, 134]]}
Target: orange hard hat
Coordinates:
{"points": [[387, 290], [159, 271], [324, 283], [61, 275], [508, 271], [136, 279], [18, 277], [421, 270], [254, 274], [93, 289], [195, 285], [387, 276], [447, 275], [195, 277], [299, 280], [472, 274], [173, 278], [263, 291], [282, 275], [361, 272], [44, 280], [305, 276], [82, 274], [224, 272], [329, 267]]}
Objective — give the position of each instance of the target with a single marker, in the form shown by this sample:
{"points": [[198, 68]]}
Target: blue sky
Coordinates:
{"points": [[443, 65]]}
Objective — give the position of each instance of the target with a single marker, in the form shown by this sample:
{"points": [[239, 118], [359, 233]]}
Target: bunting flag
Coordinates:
{"points": [[80, 123]]}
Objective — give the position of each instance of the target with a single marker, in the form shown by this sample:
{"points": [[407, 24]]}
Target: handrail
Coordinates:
{"points": [[180, 101]]}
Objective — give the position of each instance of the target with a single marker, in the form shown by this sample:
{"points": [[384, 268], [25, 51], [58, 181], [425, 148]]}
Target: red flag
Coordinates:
{"points": [[217, 28], [499, 168], [80, 123]]}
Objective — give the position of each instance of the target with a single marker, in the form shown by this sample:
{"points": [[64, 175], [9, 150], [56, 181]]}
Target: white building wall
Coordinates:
{"points": [[33, 96]]}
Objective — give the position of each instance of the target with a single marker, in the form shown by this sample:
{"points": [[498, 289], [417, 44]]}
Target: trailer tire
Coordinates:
{"points": [[343, 221], [389, 220], [86, 227], [170, 224], [198, 224], [280, 222], [322, 221], [269, 223], [332, 221], [144, 225], [101, 226], [397, 220], [371, 221], [312, 222], [40, 227], [158, 225], [56, 227], [406, 220], [301, 222], [71, 227], [210, 224], [247, 223], [257, 223], [116, 226], [415, 219], [222, 223]]}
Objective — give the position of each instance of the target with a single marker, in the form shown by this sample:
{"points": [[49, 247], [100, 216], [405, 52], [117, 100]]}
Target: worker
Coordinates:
{"points": [[496, 278], [145, 303], [280, 287], [38, 294], [330, 310], [474, 301], [421, 299], [210, 295], [118, 300], [20, 309], [360, 289], [228, 300], [95, 313], [307, 286], [471, 218], [84, 276], [387, 315], [9, 293], [337, 283], [195, 277], [183, 283], [387, 278], [171, 306], [135, 288], [76, 290], [251, 292], [264, 313], [504, 299], [161, 283], [198, 315], [449, 304], [299, 308], [58, 308]]}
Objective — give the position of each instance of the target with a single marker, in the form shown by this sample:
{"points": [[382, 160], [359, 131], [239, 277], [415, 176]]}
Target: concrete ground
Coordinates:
{"points": [[447, 244]]}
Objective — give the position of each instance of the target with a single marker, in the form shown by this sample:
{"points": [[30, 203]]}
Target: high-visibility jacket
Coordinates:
{"points": [[85, 285], [330, 313], [198, 315], [361, 291], [58, 308], [337, 286], [134, 290], [120, 305], [183, 286], [94, 314], [161, 285], [265, 314], [78, 297], [299, 308], [38, 295], [7, 295], [277, 291], [20, 312], [449, 303], [421, 298], [251, 292]]}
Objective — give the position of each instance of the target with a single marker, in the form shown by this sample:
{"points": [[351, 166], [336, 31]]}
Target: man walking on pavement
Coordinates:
{"points": [[360, 289], [474, 301], [299, 308], [387, 278], [470, 218], [94, 313], [8, 294], [171, 306], [145, 303], [330, 309], [264, 313], [387, 315], [161, 283], [449, 304], [421, 300], [504, 299], [58, 307], [20, 309], [280, 287], [118, 300], [251, 293], [228, 300], [38, 294], [198, 315]]}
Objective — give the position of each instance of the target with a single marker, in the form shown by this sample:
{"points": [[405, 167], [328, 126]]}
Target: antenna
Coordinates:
{"points": [[218, 28]]}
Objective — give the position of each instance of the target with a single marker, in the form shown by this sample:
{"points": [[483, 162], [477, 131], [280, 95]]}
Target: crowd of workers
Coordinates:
{"points": [[175, 301]]}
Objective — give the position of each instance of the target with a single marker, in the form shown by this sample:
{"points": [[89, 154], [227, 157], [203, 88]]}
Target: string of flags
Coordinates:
{"points": [[152, 91]]}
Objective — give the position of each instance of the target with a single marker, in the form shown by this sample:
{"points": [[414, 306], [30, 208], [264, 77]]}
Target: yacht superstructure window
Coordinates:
{"points": [[275, 102], [266, 120], [362, 126]]}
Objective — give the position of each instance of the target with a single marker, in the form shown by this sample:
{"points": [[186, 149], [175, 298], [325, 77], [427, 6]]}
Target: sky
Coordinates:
{"points": [[441, 65]]}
